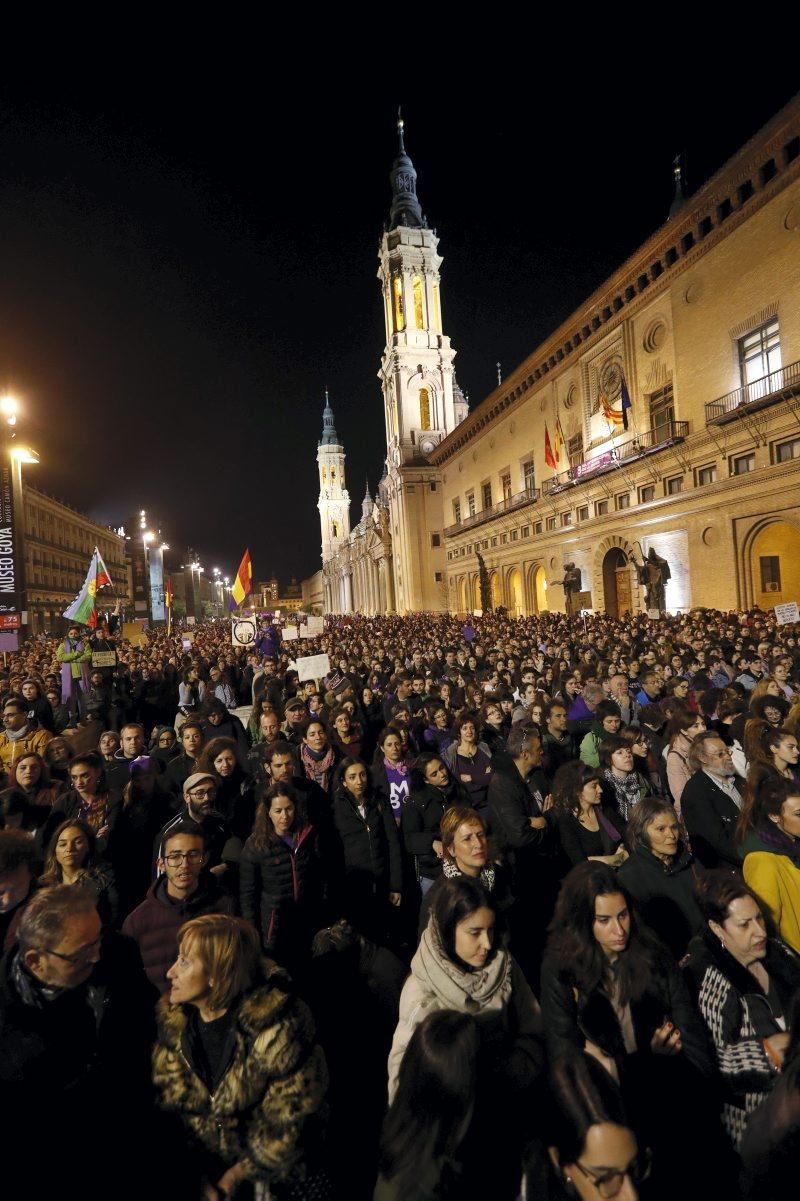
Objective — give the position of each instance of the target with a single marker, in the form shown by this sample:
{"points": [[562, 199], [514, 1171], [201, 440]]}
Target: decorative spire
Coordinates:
{"points": [[406, 209], [367, 504], [679, 199], [329, 436]]}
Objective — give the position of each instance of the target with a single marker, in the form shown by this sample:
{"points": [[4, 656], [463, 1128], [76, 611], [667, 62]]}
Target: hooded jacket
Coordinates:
{"points": [[497, 995], [154, 924], [263, 1110], [420, 821], [739, 1017]]}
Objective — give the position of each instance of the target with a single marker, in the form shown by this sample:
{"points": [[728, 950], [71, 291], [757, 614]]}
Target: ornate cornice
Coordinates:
{"points": [[766, 165]]}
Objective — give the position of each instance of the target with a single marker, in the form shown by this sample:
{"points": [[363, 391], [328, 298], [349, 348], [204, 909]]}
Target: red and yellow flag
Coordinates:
{"points": [[243, 584]]}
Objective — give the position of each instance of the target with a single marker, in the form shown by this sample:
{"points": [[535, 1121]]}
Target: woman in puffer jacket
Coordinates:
{"points": [[280, 876]]}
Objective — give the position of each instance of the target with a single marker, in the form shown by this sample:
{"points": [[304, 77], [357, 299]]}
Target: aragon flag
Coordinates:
{"points": [[84, 608], [243, 584]]}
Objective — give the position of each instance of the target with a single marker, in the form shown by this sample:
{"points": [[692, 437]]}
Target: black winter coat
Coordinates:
{"points": [[280, 888], [571, 1018], [85, 1051], [511, 806], [370, 846], [664, 896], [711, 816]]}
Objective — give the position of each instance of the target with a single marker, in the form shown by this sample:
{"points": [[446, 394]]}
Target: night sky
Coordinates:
{"points": [[184, 270]]}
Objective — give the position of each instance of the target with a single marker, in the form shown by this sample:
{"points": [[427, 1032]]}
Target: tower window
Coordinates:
{"points": [[424, 409], [399, 310], [419, 306], [335, 529]]}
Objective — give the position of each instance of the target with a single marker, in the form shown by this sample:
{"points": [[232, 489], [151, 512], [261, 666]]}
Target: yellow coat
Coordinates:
{"points": [[10, 752], [776, 879]]}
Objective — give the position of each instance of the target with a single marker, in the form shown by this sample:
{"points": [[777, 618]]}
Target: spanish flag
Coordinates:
{"points": [[168, 602], [243, 584], [549, 457]]}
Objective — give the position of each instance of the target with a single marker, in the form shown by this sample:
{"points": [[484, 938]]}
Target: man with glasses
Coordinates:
{"points": [[76, 1026], [182, 891], [199, 794]]}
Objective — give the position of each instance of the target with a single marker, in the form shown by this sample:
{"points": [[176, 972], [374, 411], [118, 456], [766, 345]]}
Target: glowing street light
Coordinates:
{"points": [[24, 454], [9, 409]]}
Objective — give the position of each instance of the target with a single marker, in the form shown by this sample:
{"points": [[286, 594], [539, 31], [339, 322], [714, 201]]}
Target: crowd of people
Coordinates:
{"points": [[507, 907]]}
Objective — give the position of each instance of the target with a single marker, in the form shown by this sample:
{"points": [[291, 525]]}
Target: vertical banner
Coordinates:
{"points": [[10, 601], [158, 610]]}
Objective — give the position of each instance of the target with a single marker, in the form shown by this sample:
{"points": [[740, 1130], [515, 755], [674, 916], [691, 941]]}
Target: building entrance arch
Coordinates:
{"points": [[616, 583], [516, 596]]}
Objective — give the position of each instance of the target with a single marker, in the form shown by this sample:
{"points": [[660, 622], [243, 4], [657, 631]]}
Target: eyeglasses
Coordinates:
{"points": [[80, 957], [202, 794], [609, 1184], [176, 858]]}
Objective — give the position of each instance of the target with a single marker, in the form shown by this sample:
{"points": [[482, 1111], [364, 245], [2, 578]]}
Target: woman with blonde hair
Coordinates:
{"points": [[236, 1059]]}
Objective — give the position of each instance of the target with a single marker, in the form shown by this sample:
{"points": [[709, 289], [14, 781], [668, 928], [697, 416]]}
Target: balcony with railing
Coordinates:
{"points": [[759, 393], [666, 433], [520, 500]]}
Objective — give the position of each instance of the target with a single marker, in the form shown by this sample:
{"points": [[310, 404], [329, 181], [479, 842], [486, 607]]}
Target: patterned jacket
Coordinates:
{"points": [[265, 1107], [739, 1017]]}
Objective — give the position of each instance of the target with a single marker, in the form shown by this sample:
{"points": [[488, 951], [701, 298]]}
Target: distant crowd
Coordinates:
{"points": [[504, 907]]}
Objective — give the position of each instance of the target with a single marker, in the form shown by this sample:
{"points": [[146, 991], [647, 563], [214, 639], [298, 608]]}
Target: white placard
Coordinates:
{"points": [[243, 631], [787, 613], [313, 667], [314, 626], [477, 612], [190, 621], [290, 634]]}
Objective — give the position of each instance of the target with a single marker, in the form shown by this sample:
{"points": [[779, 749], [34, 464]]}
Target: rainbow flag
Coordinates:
{"points": [[243, 584], [84, 608]]}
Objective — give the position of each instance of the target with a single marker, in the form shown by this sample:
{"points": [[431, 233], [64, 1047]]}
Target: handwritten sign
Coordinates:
{"points": [[477, 612], [314, 626], [104, 658], [787, 613], [290, 634], [313, 667]]}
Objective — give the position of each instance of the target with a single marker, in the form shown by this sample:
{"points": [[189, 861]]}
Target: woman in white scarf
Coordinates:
{"points": [[460, 964]]}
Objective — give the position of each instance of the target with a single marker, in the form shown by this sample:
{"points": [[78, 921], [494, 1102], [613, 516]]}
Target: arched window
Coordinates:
{"points": [[399, 311], [419, 308], [437, 309], [335, 529], [333, 474], [424, 409], [324, 475]]}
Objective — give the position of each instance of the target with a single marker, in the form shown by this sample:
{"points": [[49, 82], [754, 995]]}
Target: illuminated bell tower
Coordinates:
{"points": [[417, 365], [417, 381], [334, 501]]}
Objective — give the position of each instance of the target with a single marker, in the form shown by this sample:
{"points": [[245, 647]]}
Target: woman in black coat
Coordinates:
{"points": [[660, 874], [370, 864], [433, 790], [609, 988], [711, 803], [280, 876]]}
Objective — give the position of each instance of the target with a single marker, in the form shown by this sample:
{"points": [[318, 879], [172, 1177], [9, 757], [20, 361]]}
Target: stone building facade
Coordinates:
{"points": [[664, 414], [700, 331], [59, 542]]}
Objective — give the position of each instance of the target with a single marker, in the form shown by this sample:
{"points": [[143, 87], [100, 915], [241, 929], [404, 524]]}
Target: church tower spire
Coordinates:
{"points": [[334, 501], [406, 209], [417, 379]]}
